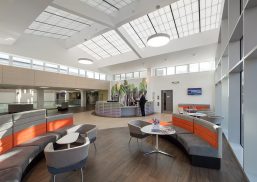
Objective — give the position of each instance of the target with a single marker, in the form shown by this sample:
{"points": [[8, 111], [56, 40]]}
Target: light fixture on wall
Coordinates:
{"points": [[158, 40], [85, 61]]}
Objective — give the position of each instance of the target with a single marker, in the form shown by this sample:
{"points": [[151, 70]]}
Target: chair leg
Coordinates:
{"points": [[82, 177], [54, 178], [94, 145], [130, 139]]}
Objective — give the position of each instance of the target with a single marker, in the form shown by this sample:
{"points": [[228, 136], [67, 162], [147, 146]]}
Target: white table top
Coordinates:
{"points": [[197, 114], [69, 138], [164, 130]]}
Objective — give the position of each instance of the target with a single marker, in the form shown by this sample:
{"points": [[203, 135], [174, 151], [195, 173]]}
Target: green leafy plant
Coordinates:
{"points": [[143, 86]]}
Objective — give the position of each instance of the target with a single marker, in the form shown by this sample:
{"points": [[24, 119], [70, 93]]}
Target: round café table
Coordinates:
{"points": [[162, 131], [68, 139]]}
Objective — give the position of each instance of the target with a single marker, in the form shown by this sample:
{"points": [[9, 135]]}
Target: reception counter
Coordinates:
{"points": [[115, 109]]}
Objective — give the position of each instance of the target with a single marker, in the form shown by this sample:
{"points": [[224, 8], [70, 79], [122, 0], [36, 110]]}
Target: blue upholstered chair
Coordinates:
{"points": [[61, 161]]}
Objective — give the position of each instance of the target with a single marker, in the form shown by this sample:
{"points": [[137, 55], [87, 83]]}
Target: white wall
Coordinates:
{"points": [[204, 80], [7, 95], [194, 55]]}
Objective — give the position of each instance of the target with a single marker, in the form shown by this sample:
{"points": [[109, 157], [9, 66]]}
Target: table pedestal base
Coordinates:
{"points": [[157, 150], [160, 152]]}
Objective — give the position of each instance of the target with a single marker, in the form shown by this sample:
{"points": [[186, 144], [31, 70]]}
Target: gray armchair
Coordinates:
{"points": [[61, 161], [85, 130], [135, 129]]}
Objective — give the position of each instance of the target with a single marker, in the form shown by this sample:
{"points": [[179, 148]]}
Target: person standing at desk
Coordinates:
{"points": [[142, 102]]}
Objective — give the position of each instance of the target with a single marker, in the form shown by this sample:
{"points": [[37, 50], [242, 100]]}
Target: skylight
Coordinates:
{"points": [[108, 6], [105, 45], [57, 23], [179, 19]]}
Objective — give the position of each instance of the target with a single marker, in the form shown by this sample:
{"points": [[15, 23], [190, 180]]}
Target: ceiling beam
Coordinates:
{"points": [[128, 43]]}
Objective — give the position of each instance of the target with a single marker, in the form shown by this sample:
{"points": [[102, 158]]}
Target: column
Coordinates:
{"points": [[40, 98]]}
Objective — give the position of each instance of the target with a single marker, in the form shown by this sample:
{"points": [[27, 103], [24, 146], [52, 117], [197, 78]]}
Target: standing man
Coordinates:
{"points": [[142, 102]]}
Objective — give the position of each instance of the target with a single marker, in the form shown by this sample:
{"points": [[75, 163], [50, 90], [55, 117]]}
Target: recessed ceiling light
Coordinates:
{"points": [[44, 87], [85, 61], [158, 40]]}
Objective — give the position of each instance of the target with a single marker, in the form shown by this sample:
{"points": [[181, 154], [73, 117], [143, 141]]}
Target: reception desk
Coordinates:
{"points": [[115, 109]]}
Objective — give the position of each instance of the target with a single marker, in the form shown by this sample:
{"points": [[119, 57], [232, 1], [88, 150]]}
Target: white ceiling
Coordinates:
{"points": [[109, 31]]}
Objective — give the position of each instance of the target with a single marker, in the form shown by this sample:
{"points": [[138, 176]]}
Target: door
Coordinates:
{"points": [[167, 101]]}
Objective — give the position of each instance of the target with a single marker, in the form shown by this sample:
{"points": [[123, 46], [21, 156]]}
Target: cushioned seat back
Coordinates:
{"points": [[28, 125], [209, 132], [59, 121], [6, 137], [183, 121]]}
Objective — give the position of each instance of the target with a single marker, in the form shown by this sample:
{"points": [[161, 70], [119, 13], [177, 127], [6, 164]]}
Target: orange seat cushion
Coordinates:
{"points": [[60, 123], [187, 125], [206, 134], [27, 134], [6, 143]]}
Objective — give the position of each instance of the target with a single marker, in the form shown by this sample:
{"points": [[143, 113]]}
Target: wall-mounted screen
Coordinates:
{"points": [[194, 91]]}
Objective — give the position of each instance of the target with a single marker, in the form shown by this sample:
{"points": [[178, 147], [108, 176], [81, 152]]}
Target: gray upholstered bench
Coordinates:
{"points": [[201, 140]]}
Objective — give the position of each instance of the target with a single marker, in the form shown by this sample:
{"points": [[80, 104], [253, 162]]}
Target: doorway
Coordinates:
{"points": [[167, 101]]}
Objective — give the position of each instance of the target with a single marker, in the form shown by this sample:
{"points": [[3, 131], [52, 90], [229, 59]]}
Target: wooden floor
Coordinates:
{"points": [[116, 160]]}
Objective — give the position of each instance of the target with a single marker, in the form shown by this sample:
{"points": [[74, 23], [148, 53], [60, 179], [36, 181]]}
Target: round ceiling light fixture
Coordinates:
{"points": [[158, 40], [85, 61]]}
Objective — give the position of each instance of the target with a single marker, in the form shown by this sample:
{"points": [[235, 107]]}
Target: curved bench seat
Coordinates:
{"points": [[19, 157], [13, 174], [23, 137], [201, 140]]}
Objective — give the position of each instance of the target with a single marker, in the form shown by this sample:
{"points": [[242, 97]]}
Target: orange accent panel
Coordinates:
{"points": [[60, 123], [187, 125], [6, 144], [184, 107], [202, 107], [162, 123], [206, 134], [29, 133]]}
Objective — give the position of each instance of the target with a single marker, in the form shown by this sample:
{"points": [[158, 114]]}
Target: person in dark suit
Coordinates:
{"points": [[142, 102]]}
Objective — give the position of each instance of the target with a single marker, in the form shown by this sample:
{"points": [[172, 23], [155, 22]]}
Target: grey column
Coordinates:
{"points": [[83, 101], [40, 98]]}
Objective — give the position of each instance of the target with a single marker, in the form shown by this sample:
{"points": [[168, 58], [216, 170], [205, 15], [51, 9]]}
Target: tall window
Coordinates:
{"points": [[129, 76], [160, 72], [117, 77], [136, 74], [63, 69], [122, 76], [143, 74], [181, 69], [194, 67], [241, 108], [102, 76], [82, 72], [37, 65], [171, 70], [90, 74], [4, 59], [21, 62], [205, 66], [97, 76], [51, 67]]}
